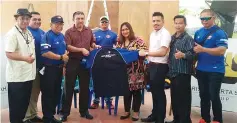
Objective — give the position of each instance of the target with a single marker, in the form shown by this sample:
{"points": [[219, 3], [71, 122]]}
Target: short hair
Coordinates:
{"points": [[181, 16], [209, 11], [158, 14], [77, 13], [34, 13]]}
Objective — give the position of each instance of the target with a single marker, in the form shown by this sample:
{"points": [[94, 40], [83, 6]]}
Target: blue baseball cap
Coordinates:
{"points": [[57, 19]]}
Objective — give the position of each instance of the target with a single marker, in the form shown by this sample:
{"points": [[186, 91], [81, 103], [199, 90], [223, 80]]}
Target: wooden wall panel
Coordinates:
{"points": [[137, 14], [46, 8], [67, 8]]}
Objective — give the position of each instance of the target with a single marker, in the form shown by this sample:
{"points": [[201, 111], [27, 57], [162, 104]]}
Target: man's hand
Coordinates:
{"points": [[132, 48], [85, 52], [198, 48], [65, 56], [29, 59], [97, 46], [179, 54], [142, 53]]}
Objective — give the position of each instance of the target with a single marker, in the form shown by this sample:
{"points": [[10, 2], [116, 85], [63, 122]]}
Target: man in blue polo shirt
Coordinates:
{"points": [[105, 38], [210, 66], [34, 27], [53, 50]]}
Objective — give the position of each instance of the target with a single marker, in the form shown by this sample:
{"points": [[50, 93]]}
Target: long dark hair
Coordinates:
{"points": [[131, 35]]}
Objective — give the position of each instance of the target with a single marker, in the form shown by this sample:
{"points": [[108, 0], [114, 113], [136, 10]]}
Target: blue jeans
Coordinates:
{"points": [[209, 89]]}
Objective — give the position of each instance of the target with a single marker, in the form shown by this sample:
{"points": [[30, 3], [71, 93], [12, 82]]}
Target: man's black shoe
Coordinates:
{"points": [[36, 119], [150, 118], [55, 121], [63, 118], [87, 115]]}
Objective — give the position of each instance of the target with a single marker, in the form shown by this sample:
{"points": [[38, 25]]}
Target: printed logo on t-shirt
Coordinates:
{"points": [[108, 36]]}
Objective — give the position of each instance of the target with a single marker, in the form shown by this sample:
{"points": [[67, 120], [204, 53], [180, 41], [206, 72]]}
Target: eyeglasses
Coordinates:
{"points": [[104, 22], [205, 18]]}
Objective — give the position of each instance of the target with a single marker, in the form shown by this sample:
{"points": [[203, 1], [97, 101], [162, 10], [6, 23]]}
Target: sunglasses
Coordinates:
{"points": [[104, 22], [205, 18]]}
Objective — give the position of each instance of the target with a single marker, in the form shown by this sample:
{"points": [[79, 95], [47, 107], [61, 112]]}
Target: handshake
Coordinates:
{"points": [[64, 57]]}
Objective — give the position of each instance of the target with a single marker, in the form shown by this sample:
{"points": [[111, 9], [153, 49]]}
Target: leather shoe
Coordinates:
{"points": [[135, 119], [150, 118], [55, 121], [36, 119], [87, 115], [125, 117], [63, 118]]}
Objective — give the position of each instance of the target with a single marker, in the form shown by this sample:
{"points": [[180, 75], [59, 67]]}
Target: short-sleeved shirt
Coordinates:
{"points": [[20, 71], [79, 39], [208, 62], [105, 38], [55, 43], [37, 34], [159, 39]]}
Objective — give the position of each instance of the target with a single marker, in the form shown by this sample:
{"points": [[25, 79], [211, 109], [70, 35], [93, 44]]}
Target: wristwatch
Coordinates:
{"points": [[61, 57]]}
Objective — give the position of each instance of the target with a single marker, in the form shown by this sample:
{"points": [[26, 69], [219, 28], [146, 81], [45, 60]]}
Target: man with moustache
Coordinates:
{"points": [[158, 67], [53, 50], [21, 67], [180, 69], [34, 27], [211, 44], [79, 39]]}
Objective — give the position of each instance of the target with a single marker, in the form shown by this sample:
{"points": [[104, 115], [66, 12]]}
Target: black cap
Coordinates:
{"points": [[22, 12], [57, 19]]}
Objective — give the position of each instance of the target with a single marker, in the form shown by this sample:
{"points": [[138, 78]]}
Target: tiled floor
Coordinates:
{"points": [[102, 116]]}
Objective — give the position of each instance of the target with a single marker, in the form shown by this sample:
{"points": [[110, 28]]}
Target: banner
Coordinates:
{"points": [[228, 90]]}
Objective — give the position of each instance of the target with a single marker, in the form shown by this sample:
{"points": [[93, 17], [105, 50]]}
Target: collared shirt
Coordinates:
{"points": [[20, 71], [105, 38], [207, 62], [79, 39], [159, 39], [184, 43], [55, 43], [37, 34]]}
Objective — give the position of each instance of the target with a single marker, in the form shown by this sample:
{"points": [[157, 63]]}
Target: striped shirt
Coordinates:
{"points": [[184, 43]]}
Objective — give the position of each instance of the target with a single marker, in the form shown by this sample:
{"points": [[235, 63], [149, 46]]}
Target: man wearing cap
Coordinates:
{"points": [[35, 23], [79, 39], [53, 50], [105, 38], [21, 67]]}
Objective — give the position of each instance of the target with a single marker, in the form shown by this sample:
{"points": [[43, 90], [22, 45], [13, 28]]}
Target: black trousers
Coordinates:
{"points": [[19, 98], [73, 70], [181, 98], [209, 90], [158, 73], [50, 85], [136, 103]]}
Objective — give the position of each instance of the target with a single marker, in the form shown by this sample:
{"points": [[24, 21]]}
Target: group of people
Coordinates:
{"points": [[36, 60]]}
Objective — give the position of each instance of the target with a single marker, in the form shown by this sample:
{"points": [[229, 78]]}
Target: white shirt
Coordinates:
{"points": [[157, 40], [20, 71]]}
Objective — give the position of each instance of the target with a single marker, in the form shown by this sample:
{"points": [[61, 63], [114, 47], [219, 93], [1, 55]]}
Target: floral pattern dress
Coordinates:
{"points": [[136, 70]]}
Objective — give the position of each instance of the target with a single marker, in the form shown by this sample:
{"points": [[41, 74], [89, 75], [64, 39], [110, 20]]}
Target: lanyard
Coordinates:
{"points": [[26, 38]]}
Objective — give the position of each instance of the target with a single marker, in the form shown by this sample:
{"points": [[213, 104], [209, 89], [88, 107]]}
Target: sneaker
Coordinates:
{"points": [[215, 122], [94, 106], [202, 121]]}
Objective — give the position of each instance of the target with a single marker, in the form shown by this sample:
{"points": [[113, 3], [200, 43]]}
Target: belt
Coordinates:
{"points": [[156, 63], [55, 65]]}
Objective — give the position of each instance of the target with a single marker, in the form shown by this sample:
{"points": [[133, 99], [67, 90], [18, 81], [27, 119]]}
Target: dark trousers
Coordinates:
{"points": [[73, 70], [157, 81], [19, 98], [209, 90], [181, 98], [50, 85], [136, 103]]}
